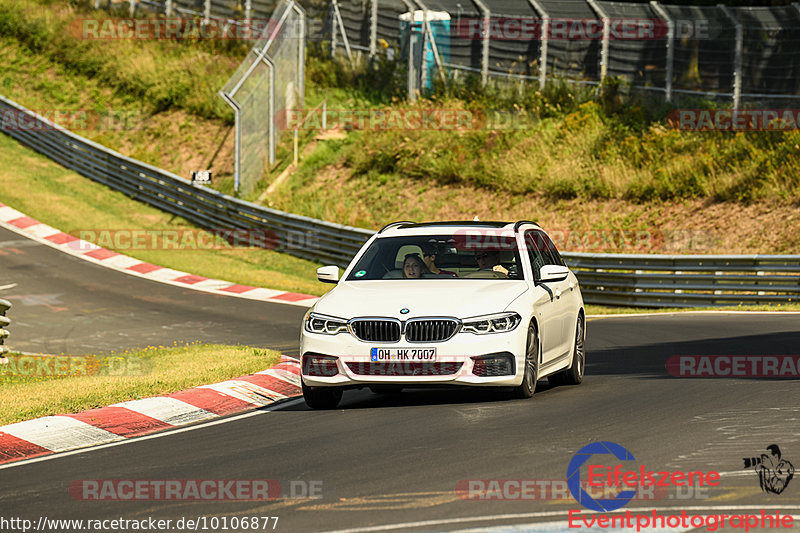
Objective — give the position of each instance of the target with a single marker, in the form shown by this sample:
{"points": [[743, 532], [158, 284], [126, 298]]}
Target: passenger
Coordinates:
{"points": [[490, 261], [414, 267], [429, 251]]}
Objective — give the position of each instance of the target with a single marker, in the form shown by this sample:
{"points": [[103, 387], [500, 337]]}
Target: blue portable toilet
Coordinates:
{"points": [[440, 27]]}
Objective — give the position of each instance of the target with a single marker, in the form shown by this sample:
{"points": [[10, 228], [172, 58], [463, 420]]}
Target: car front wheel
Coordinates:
{"points": [[322, 397]]}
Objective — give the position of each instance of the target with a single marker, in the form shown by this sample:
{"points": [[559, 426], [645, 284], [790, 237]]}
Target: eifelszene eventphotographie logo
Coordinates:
{"points": [[620, 484]]}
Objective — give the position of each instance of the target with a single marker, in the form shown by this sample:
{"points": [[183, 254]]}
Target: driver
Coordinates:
{"points": [[490, 260]]}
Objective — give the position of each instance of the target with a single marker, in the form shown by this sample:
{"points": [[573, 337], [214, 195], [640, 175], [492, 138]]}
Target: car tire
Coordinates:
{"points": [[531, 375], [574, 374], [386, 389], [322, 397]]}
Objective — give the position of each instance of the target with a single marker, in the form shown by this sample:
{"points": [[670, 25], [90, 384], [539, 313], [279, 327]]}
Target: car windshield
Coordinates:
{"points": [[453, 256]]}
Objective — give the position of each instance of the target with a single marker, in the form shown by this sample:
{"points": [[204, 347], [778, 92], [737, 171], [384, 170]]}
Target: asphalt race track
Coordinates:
{"points": [[389, 460], [63, 304]]}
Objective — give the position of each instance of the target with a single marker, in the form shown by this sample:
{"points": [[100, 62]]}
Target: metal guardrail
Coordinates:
{"points": [[297, 235], [5, 305], [686, 280], [613, 279]]}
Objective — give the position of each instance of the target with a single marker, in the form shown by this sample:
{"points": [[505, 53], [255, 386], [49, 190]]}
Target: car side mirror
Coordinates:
{"points": [[549, 273], [328, 274]]}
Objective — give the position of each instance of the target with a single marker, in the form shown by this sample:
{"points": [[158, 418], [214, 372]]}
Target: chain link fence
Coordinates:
{"points": [[744, 56], [722, 53], [269, 82]]}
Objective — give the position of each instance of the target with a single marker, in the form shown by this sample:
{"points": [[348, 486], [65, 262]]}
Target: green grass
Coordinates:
{"points": [[65, 200], [159, 370], [589, 154], [183, 74]]}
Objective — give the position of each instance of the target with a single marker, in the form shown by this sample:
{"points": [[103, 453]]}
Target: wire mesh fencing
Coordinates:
{"points": [[721, 53], [741, 56], [269, 82]]}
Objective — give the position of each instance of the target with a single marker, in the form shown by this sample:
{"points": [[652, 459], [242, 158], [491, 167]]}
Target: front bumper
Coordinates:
{"points": [[355, 367]]}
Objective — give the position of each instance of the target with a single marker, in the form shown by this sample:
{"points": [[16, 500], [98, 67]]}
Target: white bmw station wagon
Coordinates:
{"points": [[483, 304]]}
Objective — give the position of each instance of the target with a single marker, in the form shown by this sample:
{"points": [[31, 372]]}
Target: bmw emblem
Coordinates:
{"points": [[404, 311]]}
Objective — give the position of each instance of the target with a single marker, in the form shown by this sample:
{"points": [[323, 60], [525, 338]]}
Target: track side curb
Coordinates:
{"points": [[135, 418], [18, 222]]}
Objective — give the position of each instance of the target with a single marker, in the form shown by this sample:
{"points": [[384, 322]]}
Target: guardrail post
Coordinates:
{"points": [[670, 48], [333, 29], [606, 37], [637, 273], [428, 31], [337, 19], [301, 31], [272, 110], [248, 12], [5, 305], [296, 148], [738, 52], [544, 38], [412, 95], [237, 144], [207, 11], [487, 33], [423, 53], [373, 29]]}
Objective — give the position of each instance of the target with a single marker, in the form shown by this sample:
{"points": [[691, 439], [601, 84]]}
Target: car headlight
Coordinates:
{"points": [[326, 325], [499, 323]]}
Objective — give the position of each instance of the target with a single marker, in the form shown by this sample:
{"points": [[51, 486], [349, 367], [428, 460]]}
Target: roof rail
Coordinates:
{"points": [[387, 226], [521, 222], [493, 224]]}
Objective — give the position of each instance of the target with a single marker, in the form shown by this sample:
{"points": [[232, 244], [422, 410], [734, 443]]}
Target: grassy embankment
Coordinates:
{"points": [[125, 376], [65, 200], [573, 162]]}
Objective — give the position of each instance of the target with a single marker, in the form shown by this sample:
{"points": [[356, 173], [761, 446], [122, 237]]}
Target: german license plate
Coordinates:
{"points": [[403, 354]]}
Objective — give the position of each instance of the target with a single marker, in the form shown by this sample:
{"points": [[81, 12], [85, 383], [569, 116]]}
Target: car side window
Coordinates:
{"points": [[554, 258], [537, 258]]}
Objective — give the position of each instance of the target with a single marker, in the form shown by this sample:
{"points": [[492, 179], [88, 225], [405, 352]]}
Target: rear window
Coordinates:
{"points": [[439, 257]]}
